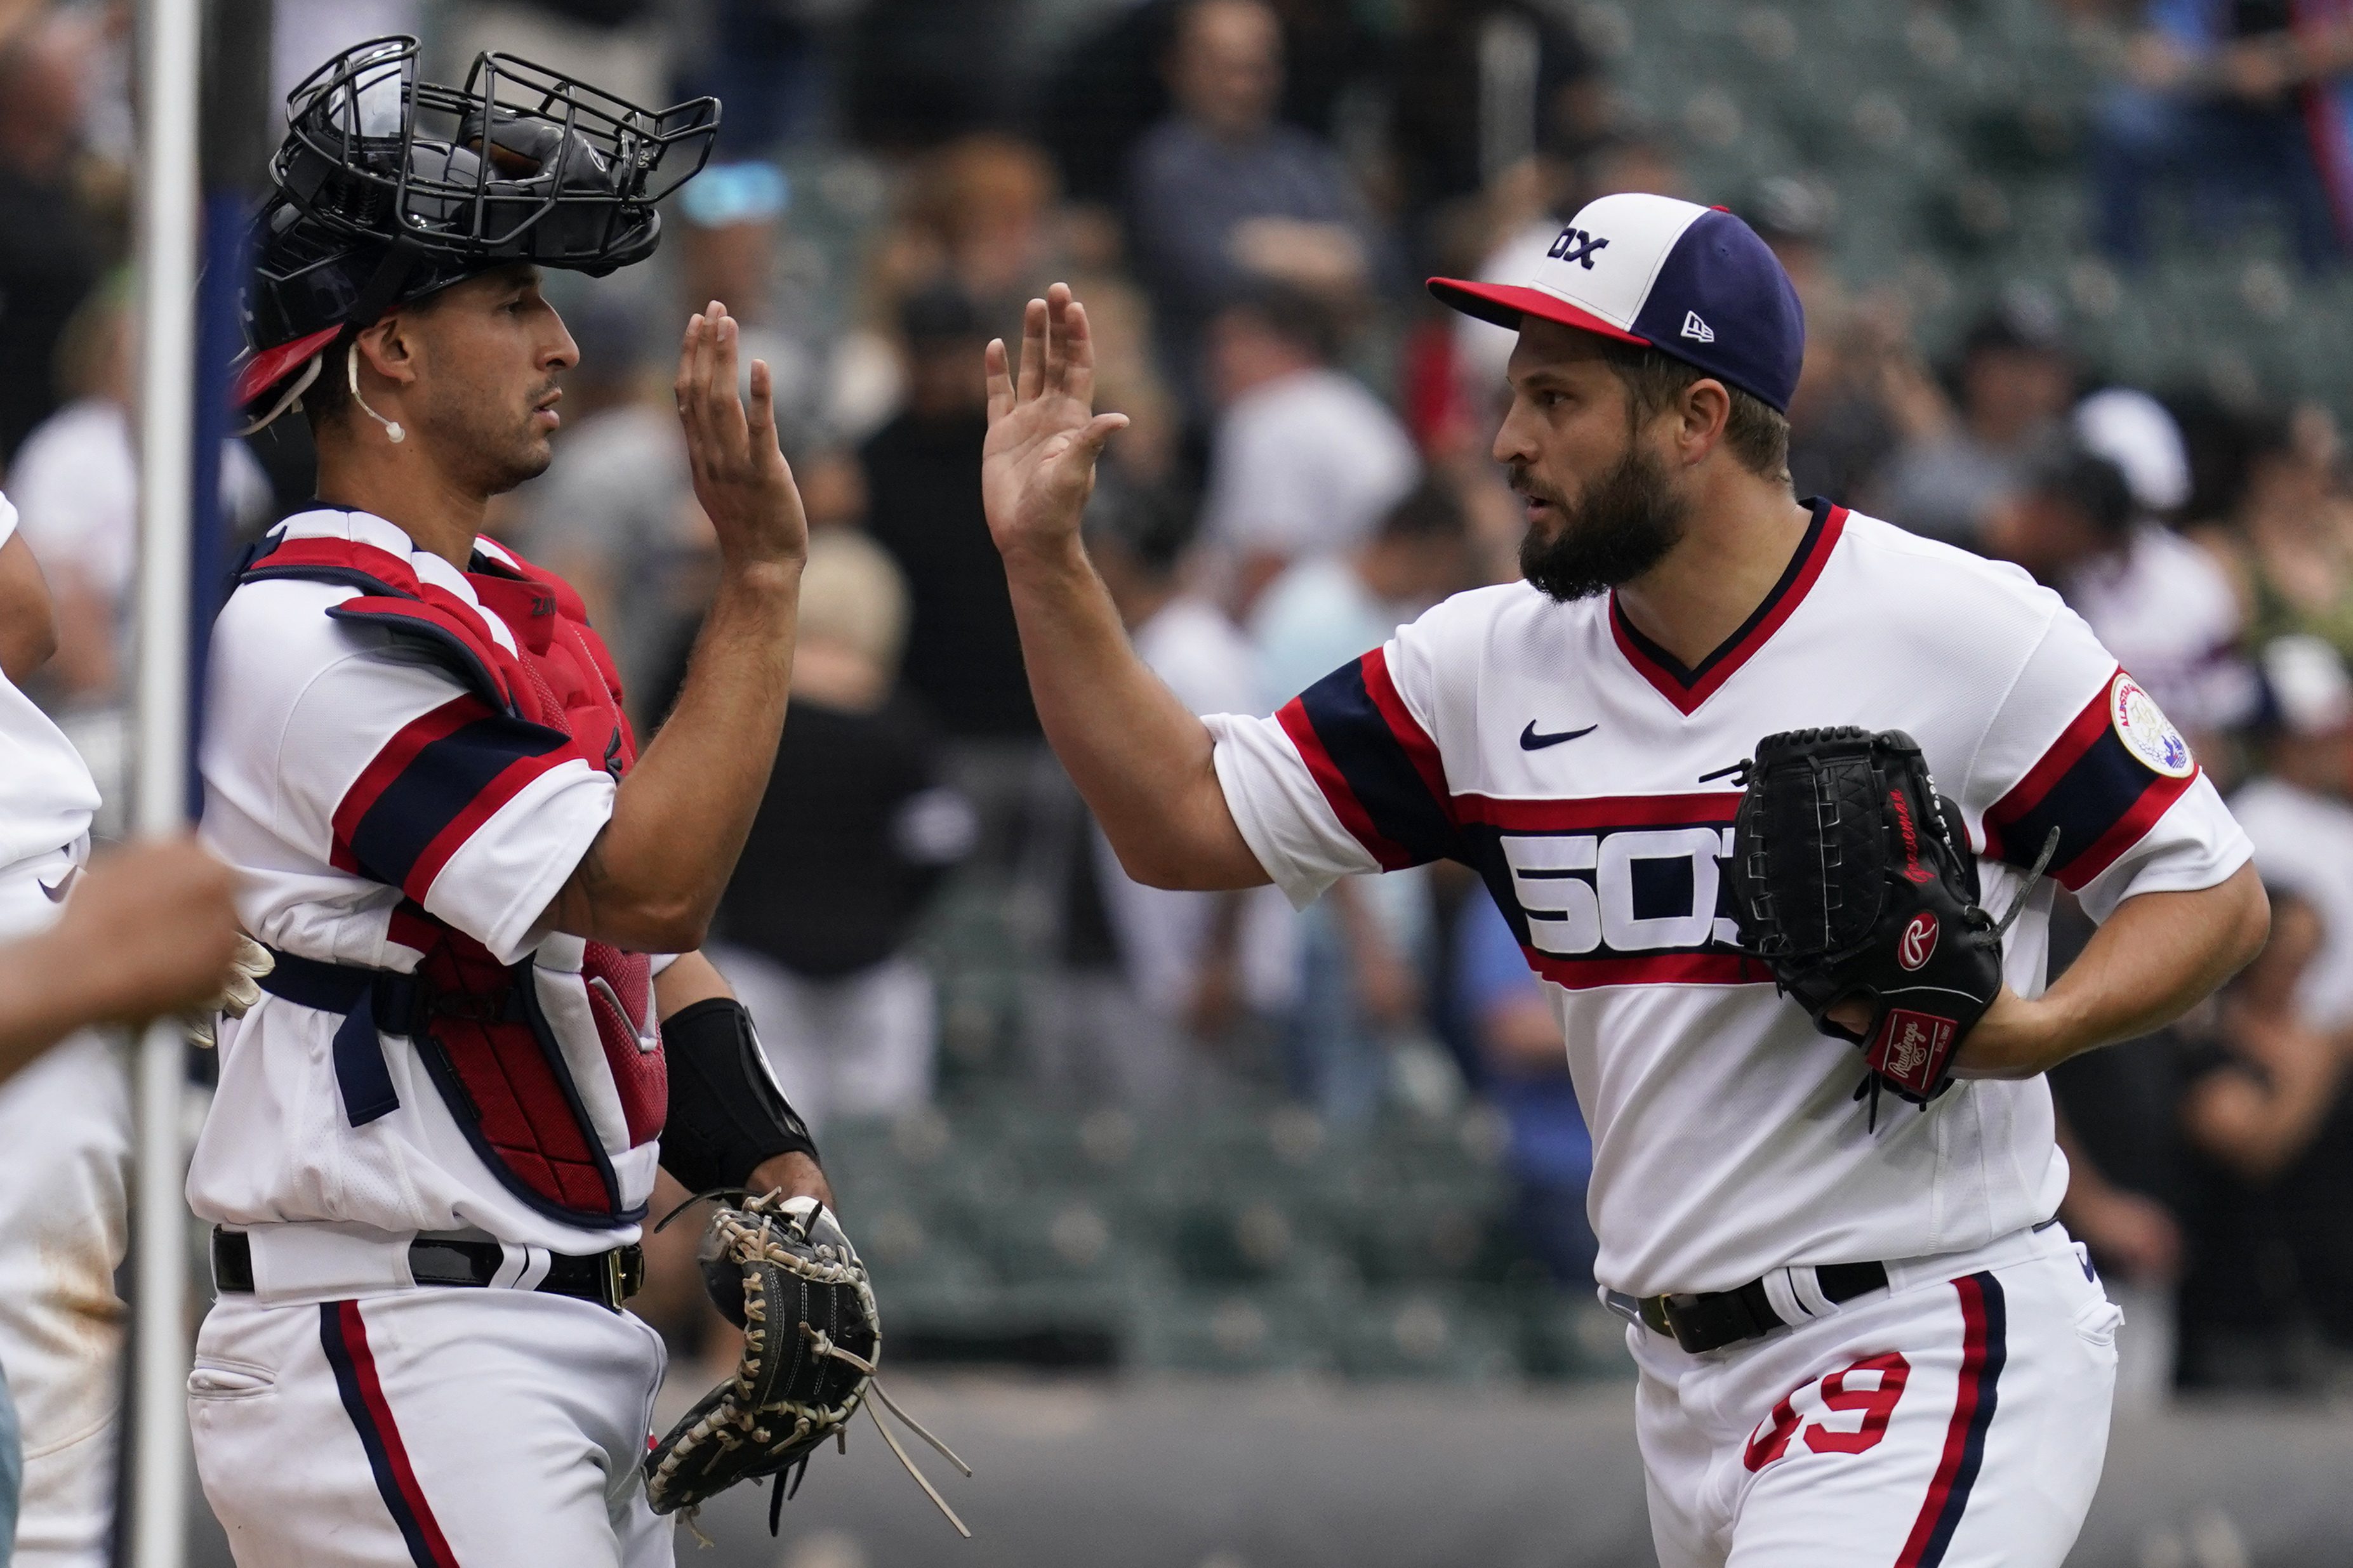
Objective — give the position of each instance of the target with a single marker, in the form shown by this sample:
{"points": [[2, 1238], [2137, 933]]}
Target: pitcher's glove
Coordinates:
{"points": [[781, 1269], [1855, 884]]}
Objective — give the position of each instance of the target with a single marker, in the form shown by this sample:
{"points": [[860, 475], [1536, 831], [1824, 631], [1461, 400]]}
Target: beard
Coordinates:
{"points": [[1622, 525]]}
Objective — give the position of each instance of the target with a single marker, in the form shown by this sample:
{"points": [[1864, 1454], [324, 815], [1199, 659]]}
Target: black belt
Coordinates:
{"points": [[1721, 1317], [608, 1278]]}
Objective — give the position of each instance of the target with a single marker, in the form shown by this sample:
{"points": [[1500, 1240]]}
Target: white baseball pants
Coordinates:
{"points": [[1958, 1419], [430, 1428]]}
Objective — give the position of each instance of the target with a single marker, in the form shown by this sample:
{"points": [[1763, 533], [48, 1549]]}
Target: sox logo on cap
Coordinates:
{"points": [[1691, 281]]}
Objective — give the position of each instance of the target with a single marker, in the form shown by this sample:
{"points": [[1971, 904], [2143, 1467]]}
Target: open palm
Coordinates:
{"points": [[1037, 466]]}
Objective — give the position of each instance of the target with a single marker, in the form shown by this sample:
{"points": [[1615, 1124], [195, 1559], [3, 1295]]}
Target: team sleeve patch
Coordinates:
{"points": [[432, 785], [1374, 762], [2114, 770]]}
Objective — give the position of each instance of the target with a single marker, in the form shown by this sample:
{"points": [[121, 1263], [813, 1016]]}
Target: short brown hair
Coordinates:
{"points": [[1756, 433]]}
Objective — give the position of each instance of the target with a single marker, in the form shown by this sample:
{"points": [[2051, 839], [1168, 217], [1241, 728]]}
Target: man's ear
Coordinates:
{"points": [[1706, 410], [389, 349]]}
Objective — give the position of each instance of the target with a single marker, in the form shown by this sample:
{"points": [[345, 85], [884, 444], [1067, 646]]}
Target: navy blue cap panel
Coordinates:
{"points": [[1721, 302]]}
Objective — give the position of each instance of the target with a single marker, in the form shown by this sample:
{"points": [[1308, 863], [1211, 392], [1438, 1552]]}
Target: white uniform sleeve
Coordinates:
{"points": [[1346, 778], [411, 781], [8, 518], [2077, 747]]}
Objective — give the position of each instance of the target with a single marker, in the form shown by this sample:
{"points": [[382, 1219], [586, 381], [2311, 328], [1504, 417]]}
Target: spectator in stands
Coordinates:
{"points": [[2241, 106], [1222, 195], [1476, 86], [2296, 812], [849, 842], [1184, 971], [76, 484], [2015, 382], [2158, 602], [2290, 543], [1303, 460], [1527, 1078], [1862, 390], [49, 248], [1364, 947], [2267, 1111], [1110, 86], [964, 657]]}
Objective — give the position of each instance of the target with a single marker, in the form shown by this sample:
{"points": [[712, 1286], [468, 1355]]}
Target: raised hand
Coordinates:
{"points": [[1037, 466], [740, 475]]}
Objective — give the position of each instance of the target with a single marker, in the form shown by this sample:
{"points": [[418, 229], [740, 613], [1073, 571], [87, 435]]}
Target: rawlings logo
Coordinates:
{"points": [[1912, 1047], [1912, 870], [1918, 941]]}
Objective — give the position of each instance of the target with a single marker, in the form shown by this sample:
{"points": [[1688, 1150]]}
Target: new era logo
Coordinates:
{"points": [[1697, 330]]}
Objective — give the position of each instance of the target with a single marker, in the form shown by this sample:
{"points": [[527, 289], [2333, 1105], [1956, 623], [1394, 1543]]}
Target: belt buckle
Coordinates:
{"points": [[1624, 1306], [614, 1295], [624, 1274]]}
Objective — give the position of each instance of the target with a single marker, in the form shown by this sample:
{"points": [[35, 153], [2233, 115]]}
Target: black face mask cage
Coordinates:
{"points": [[567, 177]]}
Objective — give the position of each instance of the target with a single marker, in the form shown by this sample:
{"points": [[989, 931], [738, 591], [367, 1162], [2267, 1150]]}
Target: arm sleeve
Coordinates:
{"points": [[8, 518], [475, 814], [1346, 778], [2078, 748]]}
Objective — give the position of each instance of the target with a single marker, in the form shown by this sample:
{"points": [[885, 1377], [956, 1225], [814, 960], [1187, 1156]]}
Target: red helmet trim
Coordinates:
{"points": [[265, 369]]}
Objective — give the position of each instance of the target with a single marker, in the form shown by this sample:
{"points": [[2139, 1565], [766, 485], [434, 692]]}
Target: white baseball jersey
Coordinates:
{"points": [[346, 777], [65, 1130], [46, 796], [1581, 771]]}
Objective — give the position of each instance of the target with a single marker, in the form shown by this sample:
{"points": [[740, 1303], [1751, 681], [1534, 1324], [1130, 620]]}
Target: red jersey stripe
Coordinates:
{"points": [[1334, 785], [389, 763], [1411, 735]]}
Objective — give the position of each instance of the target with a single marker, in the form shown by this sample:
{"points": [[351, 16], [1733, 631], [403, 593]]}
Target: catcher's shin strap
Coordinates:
{"points": [[608, 1278], [1717, 1319], [371, 1001]]}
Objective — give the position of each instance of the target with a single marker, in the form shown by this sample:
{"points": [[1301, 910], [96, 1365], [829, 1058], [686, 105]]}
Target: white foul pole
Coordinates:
{"points": [[170, 34]]}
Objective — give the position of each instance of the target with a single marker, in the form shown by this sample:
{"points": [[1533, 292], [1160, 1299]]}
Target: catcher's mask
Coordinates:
{"points": [[388, 188]]}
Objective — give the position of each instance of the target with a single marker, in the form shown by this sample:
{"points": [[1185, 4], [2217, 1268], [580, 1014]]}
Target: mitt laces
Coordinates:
{"points": [[823, 1345]]}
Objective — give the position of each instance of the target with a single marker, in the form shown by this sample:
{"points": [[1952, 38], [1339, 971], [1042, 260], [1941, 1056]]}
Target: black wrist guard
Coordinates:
{"points": [[727, 1114]]}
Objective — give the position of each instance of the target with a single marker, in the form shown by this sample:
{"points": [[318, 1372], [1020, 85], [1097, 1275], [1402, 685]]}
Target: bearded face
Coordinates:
{"points": [[1617, 527]]}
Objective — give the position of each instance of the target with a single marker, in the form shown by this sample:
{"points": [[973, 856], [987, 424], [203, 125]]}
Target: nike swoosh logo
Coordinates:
{"points": [[56, 895], [1532, 741]]}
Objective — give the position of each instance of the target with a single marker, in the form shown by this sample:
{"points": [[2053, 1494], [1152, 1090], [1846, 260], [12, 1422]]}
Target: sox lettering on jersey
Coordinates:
{"points": [[1613, 890]]}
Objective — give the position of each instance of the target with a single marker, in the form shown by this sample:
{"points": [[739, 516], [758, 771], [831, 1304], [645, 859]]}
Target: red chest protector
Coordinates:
{"points": [[552, 1065]]}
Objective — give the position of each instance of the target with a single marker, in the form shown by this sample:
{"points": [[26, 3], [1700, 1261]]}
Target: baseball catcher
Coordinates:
{"points": [[1857, 888], [781, 1270]]}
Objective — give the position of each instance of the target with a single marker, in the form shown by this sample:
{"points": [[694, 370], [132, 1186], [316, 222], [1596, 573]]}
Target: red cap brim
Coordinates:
{"points": [[258, 375], [1506, 304]]}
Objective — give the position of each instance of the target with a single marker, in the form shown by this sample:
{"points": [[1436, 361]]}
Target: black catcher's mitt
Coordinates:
{"points": [[781, 1269], [1855, 883]]}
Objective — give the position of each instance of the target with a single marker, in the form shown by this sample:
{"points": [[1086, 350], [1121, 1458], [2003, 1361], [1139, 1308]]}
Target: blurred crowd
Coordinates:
{"points": [[1246, 194]]}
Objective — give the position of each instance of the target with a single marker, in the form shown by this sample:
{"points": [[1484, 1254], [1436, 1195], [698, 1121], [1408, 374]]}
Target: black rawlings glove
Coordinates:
{"points": [[1855, 883], [781, 1270]]}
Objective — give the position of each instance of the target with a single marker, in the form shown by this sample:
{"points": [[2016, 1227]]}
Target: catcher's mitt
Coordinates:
{"points": [[781, 1270], [1855, 884]]}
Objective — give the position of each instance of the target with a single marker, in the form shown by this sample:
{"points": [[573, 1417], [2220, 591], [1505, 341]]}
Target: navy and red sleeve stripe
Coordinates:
{"points": [[2089, 786], [432, 785], [1374, 763]]}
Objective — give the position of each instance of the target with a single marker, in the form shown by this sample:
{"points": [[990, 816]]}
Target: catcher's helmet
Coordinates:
{"points": [[388, 188]]}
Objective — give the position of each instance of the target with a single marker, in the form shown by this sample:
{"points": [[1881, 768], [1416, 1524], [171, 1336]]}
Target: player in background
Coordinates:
{"points": [[150, 933], [435, 1138], [1859, 1343]]}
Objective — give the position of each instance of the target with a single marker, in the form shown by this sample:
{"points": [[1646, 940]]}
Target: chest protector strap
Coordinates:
{"points": [[553, 1066]]}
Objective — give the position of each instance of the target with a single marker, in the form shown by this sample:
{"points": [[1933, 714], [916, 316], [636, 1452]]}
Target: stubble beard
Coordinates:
{"points": [[1623, 524]]}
